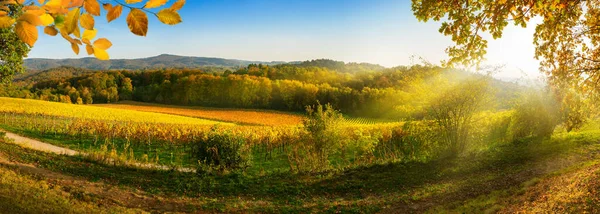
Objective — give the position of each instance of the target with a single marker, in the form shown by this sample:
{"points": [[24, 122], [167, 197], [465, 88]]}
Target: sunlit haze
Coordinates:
{"points": [[381, 31]]}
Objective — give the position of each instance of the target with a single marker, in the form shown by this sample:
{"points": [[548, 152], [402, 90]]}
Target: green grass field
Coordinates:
{"points": [[491, 177]]}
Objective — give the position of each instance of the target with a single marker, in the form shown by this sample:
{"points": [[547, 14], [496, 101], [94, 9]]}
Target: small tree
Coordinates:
{"points": [[535, 116], [576, 109], [322, 137], [453, 111]]}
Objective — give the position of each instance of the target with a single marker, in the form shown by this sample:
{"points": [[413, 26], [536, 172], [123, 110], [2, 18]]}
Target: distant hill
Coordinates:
{"points": [[161, 61]]}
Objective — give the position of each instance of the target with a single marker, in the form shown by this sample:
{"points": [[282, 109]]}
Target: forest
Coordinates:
{"points": [[363, 90]]}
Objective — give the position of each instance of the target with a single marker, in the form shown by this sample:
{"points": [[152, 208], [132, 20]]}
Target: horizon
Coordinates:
{"points": [[382, 32]]}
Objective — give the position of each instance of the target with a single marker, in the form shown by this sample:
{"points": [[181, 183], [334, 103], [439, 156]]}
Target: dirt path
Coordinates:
{"points": [[38, 145], [49, 148]]}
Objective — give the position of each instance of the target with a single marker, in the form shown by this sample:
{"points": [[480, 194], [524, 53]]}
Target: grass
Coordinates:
{"points": [[240, 116], [478, 180], [93, 112], [23, 194]]}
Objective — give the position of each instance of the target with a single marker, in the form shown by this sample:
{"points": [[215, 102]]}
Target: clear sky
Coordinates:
{"points": [[375, 31]]}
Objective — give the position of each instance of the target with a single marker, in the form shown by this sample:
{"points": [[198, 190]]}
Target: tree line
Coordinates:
{"points": [[387, 93]]}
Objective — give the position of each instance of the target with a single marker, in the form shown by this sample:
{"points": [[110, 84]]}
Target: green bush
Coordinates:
{"points": [[535, 117], [453, 111], [322, 138], [221, 152], [415, 140]]}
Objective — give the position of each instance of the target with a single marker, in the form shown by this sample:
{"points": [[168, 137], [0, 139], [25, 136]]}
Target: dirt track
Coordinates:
{"points": [[46, 147]]}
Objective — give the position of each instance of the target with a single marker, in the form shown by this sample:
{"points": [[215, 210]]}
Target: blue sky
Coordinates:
{"points": [[375, 31]]}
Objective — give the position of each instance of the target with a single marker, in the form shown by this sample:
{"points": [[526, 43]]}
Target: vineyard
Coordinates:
{"points": [[169, 139], [251, 117], [35, 107]]}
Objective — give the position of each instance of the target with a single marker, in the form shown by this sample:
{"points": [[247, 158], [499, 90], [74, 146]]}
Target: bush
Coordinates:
{"points": [[321, 139], [453, 111], [534, 117], [415, 140], [221, 151]]}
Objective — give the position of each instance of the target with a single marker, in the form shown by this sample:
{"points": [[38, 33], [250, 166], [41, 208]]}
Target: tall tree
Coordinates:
{"points": [[566, 42]]}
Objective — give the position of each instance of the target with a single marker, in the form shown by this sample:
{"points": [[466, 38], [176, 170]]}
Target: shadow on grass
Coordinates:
{"points": [[502, 167]]}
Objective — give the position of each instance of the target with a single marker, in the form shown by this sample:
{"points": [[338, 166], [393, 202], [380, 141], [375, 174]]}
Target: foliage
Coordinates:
{"points": [[567, 41], [535, 116], [576, 109], [323, 137], [413, 141], [74, 21], [12, 50], [221, 151], [397, 93], [454, 109]]}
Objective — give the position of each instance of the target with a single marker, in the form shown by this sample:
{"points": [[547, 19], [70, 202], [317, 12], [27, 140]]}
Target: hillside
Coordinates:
{"points": [[161, 61]]}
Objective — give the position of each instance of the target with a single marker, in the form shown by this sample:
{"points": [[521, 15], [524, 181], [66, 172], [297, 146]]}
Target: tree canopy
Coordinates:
{"points": [[74, 20], [566, 41]]}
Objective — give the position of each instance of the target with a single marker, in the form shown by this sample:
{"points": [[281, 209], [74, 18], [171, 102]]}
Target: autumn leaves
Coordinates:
{"points": [[69, 17]]}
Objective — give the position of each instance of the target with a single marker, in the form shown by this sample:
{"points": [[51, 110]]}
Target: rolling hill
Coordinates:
{"points": [[161, 61]]}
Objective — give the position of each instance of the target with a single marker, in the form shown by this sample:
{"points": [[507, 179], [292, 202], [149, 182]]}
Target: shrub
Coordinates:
{"points": [[322, 137], [576, 109], [221, 151], [361, 146], [534, 117], [415, 140], [453, 111]]}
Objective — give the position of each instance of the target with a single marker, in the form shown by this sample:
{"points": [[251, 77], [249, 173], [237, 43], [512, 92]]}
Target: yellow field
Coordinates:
{"points": [[93, 112], [256, 117]]}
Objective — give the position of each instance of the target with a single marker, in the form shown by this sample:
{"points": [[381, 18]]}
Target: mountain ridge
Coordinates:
{"points": [[160, 61]]}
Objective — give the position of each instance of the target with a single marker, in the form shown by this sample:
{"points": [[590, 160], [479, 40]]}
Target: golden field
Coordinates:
{"points": [[26, 106], [253, 117]]}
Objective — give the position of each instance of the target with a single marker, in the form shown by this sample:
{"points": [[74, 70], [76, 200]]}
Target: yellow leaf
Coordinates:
{"points": [[89, 49], [75, 48], [75, 3], [46, 19], [54, 3], [26, 32], [132, 1], [87, 21], [6, 21], [31, 19], [101, 54], [114, 13], [41, 1], [34, 10], [102, 43], [71, 20], [77, 32], [50, 30], [92, 7], [155, 3], [107, 6], [169, 16], [89, 34], [178, 5], [137, 22]]}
